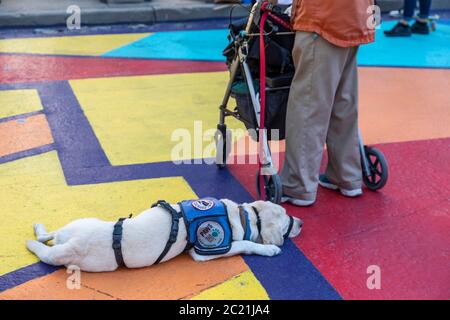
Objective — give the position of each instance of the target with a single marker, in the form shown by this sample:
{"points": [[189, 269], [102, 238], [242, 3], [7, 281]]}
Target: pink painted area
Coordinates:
{"points": [[403, 228], [31, 68]]}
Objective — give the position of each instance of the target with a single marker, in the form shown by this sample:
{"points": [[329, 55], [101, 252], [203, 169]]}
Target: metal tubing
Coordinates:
{"points": [[226, 98], [365, 162]]}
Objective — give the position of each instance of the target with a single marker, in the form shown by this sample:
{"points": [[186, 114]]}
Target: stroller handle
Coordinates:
{"points": [[255, 9], [264, 6]]}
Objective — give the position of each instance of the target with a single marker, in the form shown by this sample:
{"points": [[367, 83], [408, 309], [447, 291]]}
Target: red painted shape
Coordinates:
{"points": [[403, 228], [30, 68]]}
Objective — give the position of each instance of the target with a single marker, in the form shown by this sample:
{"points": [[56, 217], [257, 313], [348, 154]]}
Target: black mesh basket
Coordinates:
{"points": [[275, 115]]}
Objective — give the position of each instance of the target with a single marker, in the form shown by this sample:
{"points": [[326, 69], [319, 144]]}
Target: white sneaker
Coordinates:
{"points": [[297, 202], [352, 193]]}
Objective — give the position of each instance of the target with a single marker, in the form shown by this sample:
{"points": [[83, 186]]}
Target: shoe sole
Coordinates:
{"points": [[328, 185], [346, 193], [351, 193], [297, 202]]}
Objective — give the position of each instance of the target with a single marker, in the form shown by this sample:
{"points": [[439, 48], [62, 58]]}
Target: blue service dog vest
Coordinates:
{"points": [[207, 224]]}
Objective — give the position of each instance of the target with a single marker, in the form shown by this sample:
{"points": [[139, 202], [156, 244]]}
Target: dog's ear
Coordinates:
{"points": [[271, 233], [271, 229], [229, 203]]}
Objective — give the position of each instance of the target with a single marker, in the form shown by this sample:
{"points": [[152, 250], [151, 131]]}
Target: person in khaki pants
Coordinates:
{"points": [[323, 100]]}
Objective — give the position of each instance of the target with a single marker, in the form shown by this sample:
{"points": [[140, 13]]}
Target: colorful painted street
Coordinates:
{"points": [[86, 123]]}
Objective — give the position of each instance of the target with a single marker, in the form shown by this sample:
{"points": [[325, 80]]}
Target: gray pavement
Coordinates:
{"points": [[40, 13]]}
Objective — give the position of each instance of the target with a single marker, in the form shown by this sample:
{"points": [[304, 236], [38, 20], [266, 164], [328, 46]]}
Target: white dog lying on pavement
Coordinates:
{"points": [[216, 229]]}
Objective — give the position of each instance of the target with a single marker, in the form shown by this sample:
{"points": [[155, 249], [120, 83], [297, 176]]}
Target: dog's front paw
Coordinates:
{"points": [[271, 250], [31, 245]]}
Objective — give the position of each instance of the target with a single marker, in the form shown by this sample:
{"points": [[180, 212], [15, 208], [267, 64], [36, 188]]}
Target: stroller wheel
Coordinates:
{"points": [[378, 169], [223, 139], [272, 188]]}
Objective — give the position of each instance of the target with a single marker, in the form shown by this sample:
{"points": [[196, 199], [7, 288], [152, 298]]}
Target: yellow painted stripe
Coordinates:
{"points": [[34, 190], [135, 117], [244, 286], [91, 45], [15, 102]]}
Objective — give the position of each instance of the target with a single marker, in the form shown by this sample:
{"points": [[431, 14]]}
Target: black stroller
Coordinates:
{"points": [[261, 104]]}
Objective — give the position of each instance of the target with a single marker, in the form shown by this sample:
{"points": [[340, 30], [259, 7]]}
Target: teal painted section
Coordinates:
{"points": [[186, 45], [420, 51]]}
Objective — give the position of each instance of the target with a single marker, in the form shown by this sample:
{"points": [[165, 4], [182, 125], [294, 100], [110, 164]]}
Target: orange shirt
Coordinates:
{"points": [[345, 23]]}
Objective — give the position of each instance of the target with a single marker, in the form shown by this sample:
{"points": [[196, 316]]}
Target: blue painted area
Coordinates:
{"points": [[417, 51], [291, 276], [431, 51], [21, 116], [187, 45], [78, 146], [27, 153], [25, 274]]}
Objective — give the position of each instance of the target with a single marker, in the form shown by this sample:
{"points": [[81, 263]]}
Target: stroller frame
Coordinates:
{"points": [[268, 182]]}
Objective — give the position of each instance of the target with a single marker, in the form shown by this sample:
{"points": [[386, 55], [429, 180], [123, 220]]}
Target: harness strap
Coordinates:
{"points": [[189, 244], [258, 224], [291, 224], [117, 241], [174, 229], [245, 222]]}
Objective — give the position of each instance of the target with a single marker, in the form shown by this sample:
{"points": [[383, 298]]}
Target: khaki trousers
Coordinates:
{"points": [[322, 107]]}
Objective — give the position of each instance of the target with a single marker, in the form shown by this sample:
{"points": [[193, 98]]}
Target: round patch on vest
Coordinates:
{"points": [[210, 234], [203, 204]]}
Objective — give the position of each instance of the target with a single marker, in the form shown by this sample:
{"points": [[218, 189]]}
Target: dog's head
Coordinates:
{"points": [[275, 223]]}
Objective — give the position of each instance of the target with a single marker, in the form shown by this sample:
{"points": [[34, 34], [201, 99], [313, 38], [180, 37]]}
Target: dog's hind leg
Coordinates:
{"points": [[56, 255], [41, 233]]}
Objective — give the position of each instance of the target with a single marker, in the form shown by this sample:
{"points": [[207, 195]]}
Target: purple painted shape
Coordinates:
{"points": [[292, 276], [79, 176], [27, 153], [25, 85], [21, 116], [25, 274], [105, 174], [75, 140], [19, 86]]}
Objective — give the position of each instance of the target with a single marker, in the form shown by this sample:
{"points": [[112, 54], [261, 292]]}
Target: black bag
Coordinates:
{"points": [[275, 115], [279, 70], [278, 48]]}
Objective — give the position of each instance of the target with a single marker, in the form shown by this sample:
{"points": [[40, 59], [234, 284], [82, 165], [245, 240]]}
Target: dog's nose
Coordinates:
{"points": [[299, 222]]}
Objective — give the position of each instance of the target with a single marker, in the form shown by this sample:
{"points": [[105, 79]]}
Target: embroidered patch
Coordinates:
{"points": [[203, 204], [210, 234]]}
